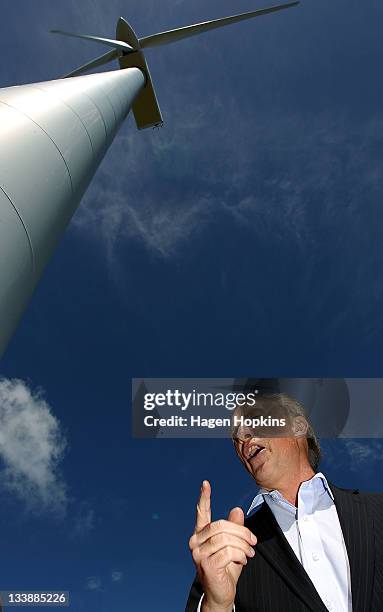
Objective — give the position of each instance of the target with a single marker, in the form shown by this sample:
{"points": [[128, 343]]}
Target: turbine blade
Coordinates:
{"points": [[164, 38], [117, 44], [98, 61]]}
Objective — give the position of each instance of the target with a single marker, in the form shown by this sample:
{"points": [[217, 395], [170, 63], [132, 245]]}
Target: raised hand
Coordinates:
{"points": [[219, 550]]}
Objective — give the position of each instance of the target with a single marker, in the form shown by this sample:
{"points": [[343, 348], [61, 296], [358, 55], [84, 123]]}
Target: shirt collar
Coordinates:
{"points": [[262, 493]]}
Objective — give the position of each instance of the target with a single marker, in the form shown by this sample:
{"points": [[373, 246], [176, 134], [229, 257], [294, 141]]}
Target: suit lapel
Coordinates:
{"points": [[357, 527], [276, 550]]}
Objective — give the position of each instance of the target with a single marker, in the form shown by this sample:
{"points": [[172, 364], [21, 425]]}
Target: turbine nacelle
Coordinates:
{"points": [[128, 50]]}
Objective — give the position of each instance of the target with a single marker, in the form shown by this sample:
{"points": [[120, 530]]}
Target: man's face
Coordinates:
{"points": [[269, 460], [272, 451]]}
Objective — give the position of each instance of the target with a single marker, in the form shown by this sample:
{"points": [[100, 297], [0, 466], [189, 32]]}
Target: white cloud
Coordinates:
{"points": [[303, 185], [84, 521], [93, 583], [31, 448], [169, 185], [363, 452], [117, 576]]}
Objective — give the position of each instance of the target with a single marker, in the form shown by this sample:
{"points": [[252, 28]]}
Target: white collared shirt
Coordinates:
{"points": [[314, 533]]}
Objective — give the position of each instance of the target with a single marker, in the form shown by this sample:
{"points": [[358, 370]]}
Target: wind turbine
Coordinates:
{"points": [[53, 137]]}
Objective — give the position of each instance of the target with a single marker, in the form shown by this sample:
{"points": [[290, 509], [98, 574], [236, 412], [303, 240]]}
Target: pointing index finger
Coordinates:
{"points": [[203, 515]]}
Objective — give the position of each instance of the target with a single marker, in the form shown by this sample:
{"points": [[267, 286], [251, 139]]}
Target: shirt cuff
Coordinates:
{"points": [[200, 604]]}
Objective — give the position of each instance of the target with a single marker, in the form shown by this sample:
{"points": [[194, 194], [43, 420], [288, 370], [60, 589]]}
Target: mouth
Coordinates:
{"points": [[254, 451]]}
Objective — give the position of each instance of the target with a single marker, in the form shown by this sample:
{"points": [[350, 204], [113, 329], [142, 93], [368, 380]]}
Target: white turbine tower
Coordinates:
{"points": [[53, 137]]}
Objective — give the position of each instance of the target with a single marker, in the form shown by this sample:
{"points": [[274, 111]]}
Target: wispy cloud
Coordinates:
{"points": [[286, 180], [84, 521], [117, 576], [31, 449], [93, 583], [361, 453], [301, 186], [352, 454]]}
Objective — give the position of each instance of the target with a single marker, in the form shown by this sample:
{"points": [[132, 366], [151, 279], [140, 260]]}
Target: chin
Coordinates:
{"points": [[259, 473], [263, 475]]}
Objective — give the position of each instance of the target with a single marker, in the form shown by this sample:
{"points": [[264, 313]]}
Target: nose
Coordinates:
{"points": [[244, 434]]}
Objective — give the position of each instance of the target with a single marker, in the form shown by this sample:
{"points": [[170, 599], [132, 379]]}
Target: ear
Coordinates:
{"points": [[300, 427]]}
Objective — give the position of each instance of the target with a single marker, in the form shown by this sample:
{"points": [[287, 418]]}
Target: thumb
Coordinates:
{"points": [[236, 516]]}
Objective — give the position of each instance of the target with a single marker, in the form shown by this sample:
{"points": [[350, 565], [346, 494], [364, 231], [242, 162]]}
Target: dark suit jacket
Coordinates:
{"points": [[275, 581]]}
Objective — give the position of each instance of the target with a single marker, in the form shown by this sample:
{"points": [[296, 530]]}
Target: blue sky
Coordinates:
{"points": [[242, 239]]}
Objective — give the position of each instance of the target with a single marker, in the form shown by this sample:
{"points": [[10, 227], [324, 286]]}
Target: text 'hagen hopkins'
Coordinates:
{"points": [[198, 421]]}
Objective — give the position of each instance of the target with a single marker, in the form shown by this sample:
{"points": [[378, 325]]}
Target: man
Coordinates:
{"points": [[306, 546]]}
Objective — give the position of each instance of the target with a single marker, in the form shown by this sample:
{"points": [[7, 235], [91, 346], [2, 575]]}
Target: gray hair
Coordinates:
{"points": [[295, 409]]}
